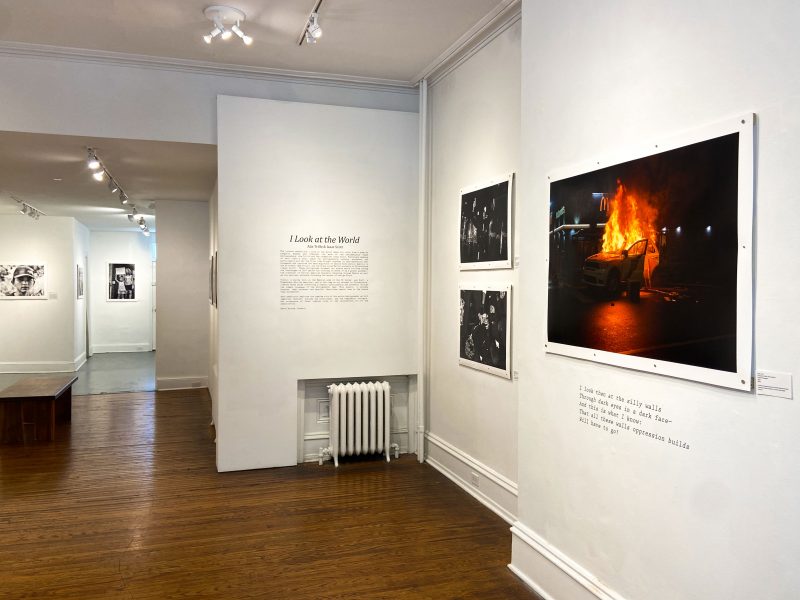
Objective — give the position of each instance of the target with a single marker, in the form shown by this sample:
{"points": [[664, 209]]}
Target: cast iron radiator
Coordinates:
{"points": [[360, 414]]}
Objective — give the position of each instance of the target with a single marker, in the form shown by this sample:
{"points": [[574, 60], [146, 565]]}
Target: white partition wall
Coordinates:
{"points": [[38, 334], [183, 251], [120, 326], [472, 415], [317, 225], [626, 516]]}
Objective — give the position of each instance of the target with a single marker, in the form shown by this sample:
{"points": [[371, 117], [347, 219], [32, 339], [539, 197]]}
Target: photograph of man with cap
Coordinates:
{"points": [[18, 281]]}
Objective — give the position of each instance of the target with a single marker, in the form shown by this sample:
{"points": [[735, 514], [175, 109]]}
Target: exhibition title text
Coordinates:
{"points": [[325, 239]]}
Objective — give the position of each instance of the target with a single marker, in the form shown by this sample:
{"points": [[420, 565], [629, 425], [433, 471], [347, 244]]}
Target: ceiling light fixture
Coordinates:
{"points": [[27, 209], [312, 30], [92, 161], [101, 171], [227, 21], [214, 33]]}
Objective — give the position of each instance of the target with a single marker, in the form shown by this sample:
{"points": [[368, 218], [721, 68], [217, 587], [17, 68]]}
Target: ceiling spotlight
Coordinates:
{"points": [[245, 38], [131, 218], [214, 33], [142, 224], [227, 21], [314, 30], [146, 233], [123, 199], [92, 161], [98, 175], [112, 185], [23, 210]]}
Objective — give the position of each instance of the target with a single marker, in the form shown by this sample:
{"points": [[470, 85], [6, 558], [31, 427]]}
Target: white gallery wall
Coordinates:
{"points": [[474, 114], [627, 517], [120, 326], [182, 297], [151, 101], [38, 334], [213, 313], [308, 170], [80, 257]]}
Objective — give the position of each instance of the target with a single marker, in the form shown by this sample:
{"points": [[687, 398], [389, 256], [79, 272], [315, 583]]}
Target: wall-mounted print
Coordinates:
{"points": [[485, 326], [650, 259], [79, 282], [22, 282], [485, 228], [121, 282], [214, 280]]}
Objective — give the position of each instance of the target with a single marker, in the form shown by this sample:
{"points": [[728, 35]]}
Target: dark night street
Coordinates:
{"points": [[680, 324]]}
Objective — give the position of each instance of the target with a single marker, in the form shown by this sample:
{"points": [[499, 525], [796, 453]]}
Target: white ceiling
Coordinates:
{"points": [[385, 39], [148, 172]]}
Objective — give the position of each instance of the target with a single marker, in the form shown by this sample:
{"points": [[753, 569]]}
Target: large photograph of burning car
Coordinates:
{"points": [[643, 256]]}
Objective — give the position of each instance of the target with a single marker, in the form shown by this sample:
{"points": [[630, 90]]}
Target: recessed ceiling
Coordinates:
{"points": [[50, 173], [385, 39]]}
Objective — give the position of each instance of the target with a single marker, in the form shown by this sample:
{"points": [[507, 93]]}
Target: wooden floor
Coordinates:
{"points": [[127, 503]]}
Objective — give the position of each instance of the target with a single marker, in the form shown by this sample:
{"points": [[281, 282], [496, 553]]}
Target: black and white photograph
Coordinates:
{"points": [[79, 282], [484, 321], [22, 282], [645, 259], [486, 225], [121, 282]]}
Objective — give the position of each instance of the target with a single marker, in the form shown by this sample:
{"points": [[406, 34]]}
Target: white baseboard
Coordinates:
{"points": [[79, 361], [181, 383], [60, 366], [496, 492], [550, 573], [103, 348]]}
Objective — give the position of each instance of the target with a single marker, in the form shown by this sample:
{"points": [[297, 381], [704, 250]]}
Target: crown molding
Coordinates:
{"points": [[503, 16], [42, 51]]}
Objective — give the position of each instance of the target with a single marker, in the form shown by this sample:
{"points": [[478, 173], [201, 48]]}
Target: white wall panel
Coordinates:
{"points": [[182, 297], [121, 326], [37, 335], [307, 169], [627, 516], [474, 113]]}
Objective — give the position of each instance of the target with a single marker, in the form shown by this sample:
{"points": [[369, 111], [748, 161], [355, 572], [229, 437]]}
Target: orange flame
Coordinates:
{"points": [[630, 218]]}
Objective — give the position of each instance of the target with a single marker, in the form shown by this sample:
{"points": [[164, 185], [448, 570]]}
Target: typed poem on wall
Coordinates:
{"points": [[614, 414]]}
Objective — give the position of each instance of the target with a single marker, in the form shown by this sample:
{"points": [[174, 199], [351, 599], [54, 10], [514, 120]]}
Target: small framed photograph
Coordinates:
{"points": [[122, 282], [23, 282], [485, 328], [485, 227], [80, 282]]}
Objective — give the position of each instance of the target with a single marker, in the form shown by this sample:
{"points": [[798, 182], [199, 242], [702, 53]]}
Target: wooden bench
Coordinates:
{"points": [[36, 402]]}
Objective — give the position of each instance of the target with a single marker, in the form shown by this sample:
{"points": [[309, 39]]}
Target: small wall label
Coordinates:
{"points": [[772, 383]]}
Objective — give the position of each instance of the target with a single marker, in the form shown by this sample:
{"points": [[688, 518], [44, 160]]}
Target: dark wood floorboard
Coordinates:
{"points": [[126, 503]]}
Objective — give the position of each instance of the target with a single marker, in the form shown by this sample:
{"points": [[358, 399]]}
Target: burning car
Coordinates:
{"points": [[622, 270]]}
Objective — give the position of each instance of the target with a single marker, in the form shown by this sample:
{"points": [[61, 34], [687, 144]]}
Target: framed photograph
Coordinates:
{"points": [[214, 268], [79, 282], [485, 328], [121, 282], [485, 227], [211, 280], [23, 282], [650, 257]]}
